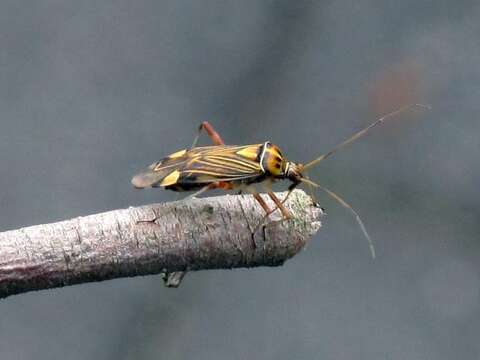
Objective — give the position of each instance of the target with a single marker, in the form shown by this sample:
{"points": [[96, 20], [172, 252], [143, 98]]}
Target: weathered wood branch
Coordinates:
{"points": [[207, 233]]}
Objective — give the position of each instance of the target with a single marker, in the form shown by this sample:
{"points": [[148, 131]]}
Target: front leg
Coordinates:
{"points": [[267, 185]]}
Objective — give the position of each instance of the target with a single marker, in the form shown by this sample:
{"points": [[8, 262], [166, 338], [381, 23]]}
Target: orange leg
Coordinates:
{"points": [[262, 203], [225, 185], [216, 139], [283, 209], [285, 212], [212, 134]]}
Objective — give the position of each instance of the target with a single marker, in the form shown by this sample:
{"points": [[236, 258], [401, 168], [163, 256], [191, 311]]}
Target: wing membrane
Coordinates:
{"points": [[156, 172]]}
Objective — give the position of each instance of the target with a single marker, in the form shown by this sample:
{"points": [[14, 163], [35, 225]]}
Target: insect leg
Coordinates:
{"points": [[251, 190], [290, 190], [267, 185], [265, 207], [201, 191], [216, 139], [215, 185], [283, 209], [262, 202], [280, 205]]}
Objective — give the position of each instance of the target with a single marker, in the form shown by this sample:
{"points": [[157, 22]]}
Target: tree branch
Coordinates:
{"points": [[207, 233]]}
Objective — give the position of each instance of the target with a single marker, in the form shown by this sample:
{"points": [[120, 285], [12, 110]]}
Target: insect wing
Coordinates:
{"points": [[157, 172], [203, 165], [221, 163]]}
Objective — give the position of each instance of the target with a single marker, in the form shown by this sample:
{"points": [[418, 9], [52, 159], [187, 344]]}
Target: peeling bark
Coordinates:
{"points": [[207, 233]]}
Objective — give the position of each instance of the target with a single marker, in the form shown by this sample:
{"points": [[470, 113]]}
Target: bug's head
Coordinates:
{"points": [[294, 172]]}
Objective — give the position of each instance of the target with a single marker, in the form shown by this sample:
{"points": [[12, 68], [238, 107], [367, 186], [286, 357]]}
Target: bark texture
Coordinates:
{"points": [[207, 233]]}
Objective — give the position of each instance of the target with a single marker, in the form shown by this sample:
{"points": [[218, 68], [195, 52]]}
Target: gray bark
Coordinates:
{"points": [[207, 233]]}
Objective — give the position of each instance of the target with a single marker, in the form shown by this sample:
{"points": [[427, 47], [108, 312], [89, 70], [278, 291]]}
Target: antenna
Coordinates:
{"points": [[349, 207], [363, 132]]}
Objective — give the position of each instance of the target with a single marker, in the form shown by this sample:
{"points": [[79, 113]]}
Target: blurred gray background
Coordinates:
{"points": [[91, 92]]}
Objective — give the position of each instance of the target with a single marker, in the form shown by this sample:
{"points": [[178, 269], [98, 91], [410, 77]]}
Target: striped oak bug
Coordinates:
{"points": [[232, 167]]}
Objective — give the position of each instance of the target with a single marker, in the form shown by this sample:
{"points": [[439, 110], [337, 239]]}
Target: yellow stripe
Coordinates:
{"points": [[210, 165], [160, 166], [233, 163], [218, 149], [215, 174], [251, 165], [177, 154], [171, 179], [249, 152]]}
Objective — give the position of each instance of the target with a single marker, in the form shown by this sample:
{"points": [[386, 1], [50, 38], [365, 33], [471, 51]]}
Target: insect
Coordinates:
{"points": [[231, 167]]}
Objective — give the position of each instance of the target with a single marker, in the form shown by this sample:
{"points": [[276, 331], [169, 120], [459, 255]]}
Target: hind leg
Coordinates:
{"points": [[212, 134]]}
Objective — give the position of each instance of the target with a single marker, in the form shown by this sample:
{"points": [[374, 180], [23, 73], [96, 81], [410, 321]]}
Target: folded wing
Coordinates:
{"points": [[202, 166]]}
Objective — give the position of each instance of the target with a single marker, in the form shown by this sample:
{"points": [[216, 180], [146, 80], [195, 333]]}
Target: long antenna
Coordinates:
{"points": [[349, 207], [363, 132]]}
